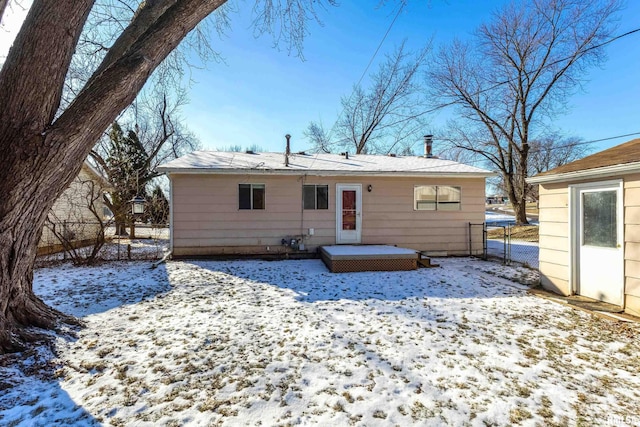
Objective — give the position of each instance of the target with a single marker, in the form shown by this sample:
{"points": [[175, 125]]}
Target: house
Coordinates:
{"points": [[233, 203], [590, 227], [75, 216]]}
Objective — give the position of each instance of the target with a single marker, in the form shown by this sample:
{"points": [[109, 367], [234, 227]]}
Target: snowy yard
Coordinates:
{"points": [[287, 343]]}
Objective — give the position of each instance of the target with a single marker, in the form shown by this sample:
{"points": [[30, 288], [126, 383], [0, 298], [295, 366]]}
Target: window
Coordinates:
{"points": [[315, 196], [436, 197], [251, 196]]}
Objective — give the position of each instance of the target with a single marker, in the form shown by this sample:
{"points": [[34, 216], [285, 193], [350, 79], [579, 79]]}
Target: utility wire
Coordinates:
{"points": [[364, 73], [496, 85]]}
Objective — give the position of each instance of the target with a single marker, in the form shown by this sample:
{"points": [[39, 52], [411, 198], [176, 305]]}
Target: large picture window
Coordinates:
{"points": [[315, 196], [251, 196], [436, 198]]}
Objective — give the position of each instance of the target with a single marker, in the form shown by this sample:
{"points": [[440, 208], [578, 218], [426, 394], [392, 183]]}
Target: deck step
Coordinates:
{"points": [[425, 261]]}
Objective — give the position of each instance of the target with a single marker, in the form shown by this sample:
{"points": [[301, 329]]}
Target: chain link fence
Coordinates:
{"points": [[87, 241], [513, 243]]}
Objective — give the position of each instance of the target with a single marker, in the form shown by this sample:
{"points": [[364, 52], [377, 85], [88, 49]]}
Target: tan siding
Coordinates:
{"points": [[557, 215], [554, 243], [554, 256], [632, 251], [554, 228], [554, 237], [633, 286], [71, 210], [632, 243], [632, 305], [206, 214]]}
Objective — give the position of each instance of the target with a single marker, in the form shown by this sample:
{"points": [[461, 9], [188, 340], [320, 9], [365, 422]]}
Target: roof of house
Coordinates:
{"points": [[96, 174], [317, 164], [623, 158]]}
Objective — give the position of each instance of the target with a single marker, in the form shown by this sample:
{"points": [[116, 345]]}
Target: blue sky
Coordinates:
{"points": [[260, 93]]}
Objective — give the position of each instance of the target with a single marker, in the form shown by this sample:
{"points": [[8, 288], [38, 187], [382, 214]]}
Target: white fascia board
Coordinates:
{"points": [[299, 172], [604, 172]]}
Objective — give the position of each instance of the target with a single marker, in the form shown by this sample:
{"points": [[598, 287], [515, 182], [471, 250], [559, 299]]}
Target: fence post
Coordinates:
{"points": [[509, 243], [504, 245], [484, 241], [470, 243]]}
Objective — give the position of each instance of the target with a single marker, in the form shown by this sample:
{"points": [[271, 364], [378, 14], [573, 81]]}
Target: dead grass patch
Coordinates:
{"points": [[518, 232]]}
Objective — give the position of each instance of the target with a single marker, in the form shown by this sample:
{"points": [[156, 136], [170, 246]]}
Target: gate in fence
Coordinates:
{"points": [[513, 244]]}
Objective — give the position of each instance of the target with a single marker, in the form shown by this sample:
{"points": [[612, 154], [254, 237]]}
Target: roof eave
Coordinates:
{"points": [[297, 172], [603, 172]]}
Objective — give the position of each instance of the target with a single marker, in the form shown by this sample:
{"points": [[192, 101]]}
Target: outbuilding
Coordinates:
{"points": [[246, 203], [590, 227]]}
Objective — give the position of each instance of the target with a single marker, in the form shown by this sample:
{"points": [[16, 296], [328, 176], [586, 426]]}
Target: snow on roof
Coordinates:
{"points": [[355, 164]]}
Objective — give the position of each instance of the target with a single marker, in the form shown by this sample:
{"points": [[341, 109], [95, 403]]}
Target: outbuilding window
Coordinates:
{"points": [[436, 198], [315, 196], [251, 196]]}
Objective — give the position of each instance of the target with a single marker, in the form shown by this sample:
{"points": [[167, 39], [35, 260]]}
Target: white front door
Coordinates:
{"points": [[348, 213], [599, 242]]}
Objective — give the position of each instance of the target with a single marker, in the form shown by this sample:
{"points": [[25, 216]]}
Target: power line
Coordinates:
{"points": [[364, 73], [498, 84]]}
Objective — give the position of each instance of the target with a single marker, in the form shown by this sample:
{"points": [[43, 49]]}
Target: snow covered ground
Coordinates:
{"points": [[288, 343], [526, 253]]}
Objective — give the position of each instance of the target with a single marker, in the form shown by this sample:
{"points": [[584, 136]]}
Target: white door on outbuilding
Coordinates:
{"points": [[598, 243]]}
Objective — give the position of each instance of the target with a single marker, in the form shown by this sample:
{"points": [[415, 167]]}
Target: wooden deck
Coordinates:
{"points": [[352, 258]]}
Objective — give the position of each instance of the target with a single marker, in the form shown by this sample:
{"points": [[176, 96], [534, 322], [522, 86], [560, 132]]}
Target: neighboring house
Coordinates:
{"points": [[254, 203], [590, 227], [75, 216]]}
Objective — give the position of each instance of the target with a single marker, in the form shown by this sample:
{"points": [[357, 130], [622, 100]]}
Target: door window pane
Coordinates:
{"points": [[348, 210], [599, 219]]}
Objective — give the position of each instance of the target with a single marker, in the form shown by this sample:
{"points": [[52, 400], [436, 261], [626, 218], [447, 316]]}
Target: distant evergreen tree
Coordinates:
{"points": [[157, 211], [128, 174]]}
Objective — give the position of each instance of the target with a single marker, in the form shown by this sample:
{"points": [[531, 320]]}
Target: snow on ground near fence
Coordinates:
{"points": [[498, 218], [287, 342], [526, 253]]}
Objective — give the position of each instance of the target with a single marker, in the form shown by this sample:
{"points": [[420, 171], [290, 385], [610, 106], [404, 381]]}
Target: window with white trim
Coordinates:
{"points": [[436, 198], [251, 196], [315, 196]]}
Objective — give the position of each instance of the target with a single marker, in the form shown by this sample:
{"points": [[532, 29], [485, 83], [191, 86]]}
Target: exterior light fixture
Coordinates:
{"points": [[369, 188], [137, 205]]}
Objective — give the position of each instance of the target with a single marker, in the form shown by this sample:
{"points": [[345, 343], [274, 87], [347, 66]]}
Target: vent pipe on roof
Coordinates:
{"points": [[428, 143], [287, 151]]}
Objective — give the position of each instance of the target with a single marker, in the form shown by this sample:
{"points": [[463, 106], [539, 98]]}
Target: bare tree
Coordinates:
{"points": [[552, 151], [78, 222], [43, 146], [3, 7], [384, 117], [319, 137], [159, 129], [518, 71]]}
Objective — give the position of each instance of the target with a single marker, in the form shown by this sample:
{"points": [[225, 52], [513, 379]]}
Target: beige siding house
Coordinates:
{"points": [[252, 203], [73, 215], [590, 227]]}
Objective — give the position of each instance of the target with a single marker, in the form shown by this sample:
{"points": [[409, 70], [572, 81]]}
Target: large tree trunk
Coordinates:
{"points": [[23, 213], [517, 201], [41, 152]]}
